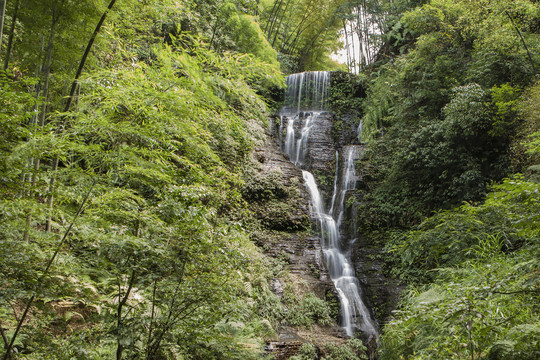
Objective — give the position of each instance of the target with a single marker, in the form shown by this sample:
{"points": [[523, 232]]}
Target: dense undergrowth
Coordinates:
{"points": [[155, 264], [121, 232], [451, 178], [474, 281]]}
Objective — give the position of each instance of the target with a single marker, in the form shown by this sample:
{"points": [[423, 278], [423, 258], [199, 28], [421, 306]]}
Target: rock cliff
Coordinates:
{"points": [[279, 200]]}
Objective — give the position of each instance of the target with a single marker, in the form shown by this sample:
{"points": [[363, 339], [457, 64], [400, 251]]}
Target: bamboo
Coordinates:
{"points": [[524, 44], [85, 55], [11, 33], [2, 14]]}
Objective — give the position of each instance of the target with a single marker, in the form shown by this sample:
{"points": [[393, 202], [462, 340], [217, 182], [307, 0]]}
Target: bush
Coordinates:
{"points": [[310, 310]]}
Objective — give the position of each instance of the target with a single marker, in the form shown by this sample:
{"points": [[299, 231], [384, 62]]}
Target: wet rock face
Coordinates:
{"points": [[284, 349], [321, 150], [346, 129], [381, 291], [319, 156], [276, 194]]}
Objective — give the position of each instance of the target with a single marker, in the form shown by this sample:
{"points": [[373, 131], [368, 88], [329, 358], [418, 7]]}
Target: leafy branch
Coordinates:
{"points": [[45, 273]]}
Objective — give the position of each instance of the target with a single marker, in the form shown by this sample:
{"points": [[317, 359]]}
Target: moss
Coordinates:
{"points": [[333, 304], [323, 179], [346, 92], [314, 271], [308, 311]]}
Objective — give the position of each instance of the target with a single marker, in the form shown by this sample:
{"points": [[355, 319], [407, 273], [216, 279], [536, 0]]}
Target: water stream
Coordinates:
{"points": [[305, 100]]}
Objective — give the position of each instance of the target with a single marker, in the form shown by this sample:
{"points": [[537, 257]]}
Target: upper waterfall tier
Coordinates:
{"points": [[307, 91]]}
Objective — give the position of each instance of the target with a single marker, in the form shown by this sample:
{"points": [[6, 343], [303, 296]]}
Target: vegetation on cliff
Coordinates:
{"points": [[121, 213], [451, 125]]}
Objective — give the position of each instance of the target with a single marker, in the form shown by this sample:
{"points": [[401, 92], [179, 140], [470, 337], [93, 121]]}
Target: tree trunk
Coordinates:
{"points": [[281, 22], [51, 196], [524, 44], [270, 19], [85, 55], [119, 323], [5, 340], [2, 14], [11, 34], [273, 23], [347, 49], [46, 73], [154, 344], [152, 316]]}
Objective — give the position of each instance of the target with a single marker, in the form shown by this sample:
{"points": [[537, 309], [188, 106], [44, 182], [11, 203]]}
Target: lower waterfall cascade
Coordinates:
{"points": [[299, 126]]}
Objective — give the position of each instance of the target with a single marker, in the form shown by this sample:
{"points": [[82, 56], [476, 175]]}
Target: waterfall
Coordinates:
{"points": [[336, 177], [348, 178], [307, 91], [305, 100], [280, 132], [353, 309], [289, 147]]}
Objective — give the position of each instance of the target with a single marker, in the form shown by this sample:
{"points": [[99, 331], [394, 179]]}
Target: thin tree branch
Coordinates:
{"points": [[11, 34], [151, 320], [121, 303], [524, 43], [523, 291], [2, 14], [45, 272], [4, 337], [85, 55]]}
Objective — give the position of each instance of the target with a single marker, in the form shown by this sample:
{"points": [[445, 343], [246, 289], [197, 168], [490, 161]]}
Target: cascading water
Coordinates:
{"points": [[306, 97], [353, 309], [308, 92], [348, 177]]}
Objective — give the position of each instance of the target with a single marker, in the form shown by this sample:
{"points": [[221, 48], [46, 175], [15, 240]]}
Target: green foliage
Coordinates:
{"points": [[435, 136], [505, 98], [352, 350], [308, 311], [304, 43], [346, 93], [475, 310], [444, 117], [506, 221], [246, 35], [479, 267], [307, 352], [456, 42], [442, 163], [274, 203], [529, 132], [155, 266]]}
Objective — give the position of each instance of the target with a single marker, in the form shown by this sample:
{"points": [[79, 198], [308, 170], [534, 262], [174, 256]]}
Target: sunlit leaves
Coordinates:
{"points": [[165, 143]]}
